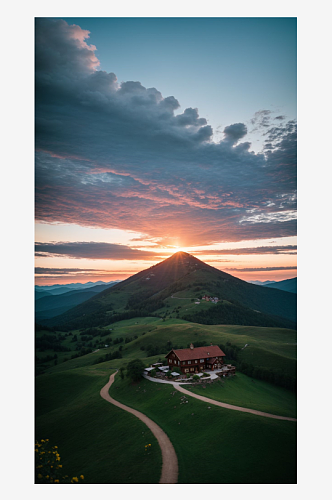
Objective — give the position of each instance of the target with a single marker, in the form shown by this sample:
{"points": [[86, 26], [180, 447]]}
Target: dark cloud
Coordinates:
{"points": [[277, 250], [63, 270], [254, 269], [93, 250], [115, 155], [261, 119], [233, 133]]}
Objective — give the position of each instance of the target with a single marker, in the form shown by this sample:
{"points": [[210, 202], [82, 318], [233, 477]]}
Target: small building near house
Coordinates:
{"points": [[148, 370], [196, 359]]}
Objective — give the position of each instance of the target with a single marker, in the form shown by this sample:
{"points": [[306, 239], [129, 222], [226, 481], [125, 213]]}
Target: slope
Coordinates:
{"points": [[285, 285], [145, 293]]}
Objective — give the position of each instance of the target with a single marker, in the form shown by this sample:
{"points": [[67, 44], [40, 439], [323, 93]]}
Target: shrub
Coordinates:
{"points": [[135, 370], [195, 377], [48, 468]]}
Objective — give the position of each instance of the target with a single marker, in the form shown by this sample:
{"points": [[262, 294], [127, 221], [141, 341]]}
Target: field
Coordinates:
{"points": [[95, 438], [215, 445], [241, 390]]}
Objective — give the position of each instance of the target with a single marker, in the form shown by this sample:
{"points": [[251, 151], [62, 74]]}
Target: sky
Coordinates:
{"points": [[155, 135]]}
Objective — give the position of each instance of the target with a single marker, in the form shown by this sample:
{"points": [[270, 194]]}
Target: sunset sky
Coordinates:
{"points": [[155, 135]]}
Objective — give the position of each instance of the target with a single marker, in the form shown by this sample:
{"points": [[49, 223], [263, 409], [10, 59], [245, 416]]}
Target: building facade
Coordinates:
{"points": [[196, 359]]}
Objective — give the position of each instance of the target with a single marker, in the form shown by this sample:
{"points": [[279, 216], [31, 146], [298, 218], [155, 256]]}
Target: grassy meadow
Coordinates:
{"points": [[213, 445], [241, 390], [94, 438]]}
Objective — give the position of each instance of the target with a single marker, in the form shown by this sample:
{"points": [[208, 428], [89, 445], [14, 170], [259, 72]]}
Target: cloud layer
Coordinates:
{"points": [[119, 155], [92, 250]]}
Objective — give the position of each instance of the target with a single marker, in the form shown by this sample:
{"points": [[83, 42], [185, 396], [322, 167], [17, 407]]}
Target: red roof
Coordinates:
{"points": [[198, 352]]}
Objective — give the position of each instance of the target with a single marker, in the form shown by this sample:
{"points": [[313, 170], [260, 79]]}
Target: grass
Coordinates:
{"points": [[268, 347], [94, 438], [215, 445], [241, 390]]}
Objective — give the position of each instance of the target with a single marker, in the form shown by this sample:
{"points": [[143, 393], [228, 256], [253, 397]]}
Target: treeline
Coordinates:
{"points": [[234, 314], [153, 350], [273, 376], [39, 328], [108, 357], [50, 342]]}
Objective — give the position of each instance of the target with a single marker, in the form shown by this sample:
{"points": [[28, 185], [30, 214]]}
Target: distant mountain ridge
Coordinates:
{"points": [[58, 288], [145, 293], [289, 285], [48, 305]]}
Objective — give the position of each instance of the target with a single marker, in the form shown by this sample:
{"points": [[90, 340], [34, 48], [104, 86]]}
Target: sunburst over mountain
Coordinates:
{"points": [[159, 289]]}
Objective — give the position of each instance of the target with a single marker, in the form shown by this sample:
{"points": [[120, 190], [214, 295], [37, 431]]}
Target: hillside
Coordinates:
{"points": [[52, 305], [112, 451], [285, 285], [148, 291]]}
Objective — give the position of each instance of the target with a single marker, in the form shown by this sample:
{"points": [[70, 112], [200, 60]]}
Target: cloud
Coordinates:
{"points": [[276, 250], [115, 155], [233, 133], [63, 270], [93, 250], [254, 269]]}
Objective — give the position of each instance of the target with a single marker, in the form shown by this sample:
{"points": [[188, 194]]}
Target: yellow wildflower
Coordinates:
{"points": [[39, 476], [74, 480], [81, 476], [56, 480]]}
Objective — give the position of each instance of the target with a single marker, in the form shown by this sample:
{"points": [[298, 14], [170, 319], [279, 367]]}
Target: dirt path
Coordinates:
{"points": [[169, 470], [231, 407]]}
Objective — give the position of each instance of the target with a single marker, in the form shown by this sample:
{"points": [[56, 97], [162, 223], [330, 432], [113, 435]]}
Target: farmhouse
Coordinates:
{"points": [[196, 359]]}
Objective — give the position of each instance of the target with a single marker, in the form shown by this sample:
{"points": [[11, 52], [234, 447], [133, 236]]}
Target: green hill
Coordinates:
{"points": [[148, 291], [106, 445], [285, 285]]}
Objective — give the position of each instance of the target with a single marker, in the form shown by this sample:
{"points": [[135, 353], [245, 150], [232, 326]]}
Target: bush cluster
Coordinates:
{"points": [[48, 469]]}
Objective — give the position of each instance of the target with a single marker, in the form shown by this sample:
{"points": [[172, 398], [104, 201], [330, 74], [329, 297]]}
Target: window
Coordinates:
{"points": [[191, 369], [178, 362], [170, 361], [196, 360], [189, 362], [201, 360], [183, 363], [186, 370]]}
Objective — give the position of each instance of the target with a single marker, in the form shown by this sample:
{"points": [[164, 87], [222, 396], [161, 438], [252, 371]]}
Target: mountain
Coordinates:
{"points": [[39, 295], [150, 292], [262, 283], [60, 289], [285, 285], [50, 305]]}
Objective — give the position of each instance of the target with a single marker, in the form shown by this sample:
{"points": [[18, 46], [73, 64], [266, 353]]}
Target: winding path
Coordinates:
{"points": [[230, 407], [169, 470]]}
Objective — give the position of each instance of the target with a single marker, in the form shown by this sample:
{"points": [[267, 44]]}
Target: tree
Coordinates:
{"points": [[135, 370]]}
